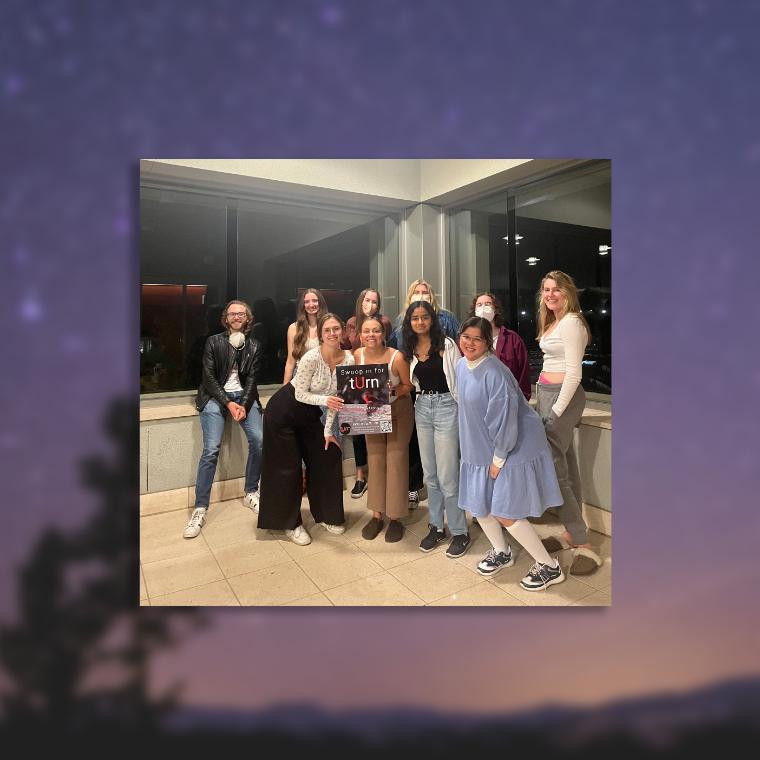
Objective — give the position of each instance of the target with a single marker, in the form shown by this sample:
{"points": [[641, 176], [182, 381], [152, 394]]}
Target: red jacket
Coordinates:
{"points": [[511, 350]]}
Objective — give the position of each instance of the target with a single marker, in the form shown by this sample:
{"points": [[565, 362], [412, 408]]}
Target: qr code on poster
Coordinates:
{"points": [[386, 427]]}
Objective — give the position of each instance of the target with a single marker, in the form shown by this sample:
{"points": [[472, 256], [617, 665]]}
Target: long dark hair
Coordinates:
{"points": [[302, 322], [409, 337]]}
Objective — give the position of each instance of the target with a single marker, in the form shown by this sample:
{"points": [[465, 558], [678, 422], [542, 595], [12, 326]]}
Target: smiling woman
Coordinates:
{"points": [[293, 429]]}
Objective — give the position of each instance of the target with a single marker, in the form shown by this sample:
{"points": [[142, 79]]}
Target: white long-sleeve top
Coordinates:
{"points": [[451, 356], [563, 350], [314, 382]]}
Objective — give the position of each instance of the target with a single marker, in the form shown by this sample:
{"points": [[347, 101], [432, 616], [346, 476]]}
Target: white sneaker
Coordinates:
{"points": [[252, 500], [299, 536], [337, 529], [196, 523]]}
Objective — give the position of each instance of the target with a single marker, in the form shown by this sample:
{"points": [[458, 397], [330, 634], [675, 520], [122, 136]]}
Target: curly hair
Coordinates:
{"points": [[409, 337], [248, 314], [498, 319]]}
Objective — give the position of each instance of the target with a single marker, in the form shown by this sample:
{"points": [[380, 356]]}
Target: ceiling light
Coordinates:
{"points": [[532, 261], [604, 249]]}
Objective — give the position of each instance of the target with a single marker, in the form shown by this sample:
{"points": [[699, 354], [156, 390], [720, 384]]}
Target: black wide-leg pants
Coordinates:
{"points": [[293, 432]]}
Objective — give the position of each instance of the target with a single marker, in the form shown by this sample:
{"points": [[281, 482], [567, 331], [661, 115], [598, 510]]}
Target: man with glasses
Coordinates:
{"points": [[231, 366]]}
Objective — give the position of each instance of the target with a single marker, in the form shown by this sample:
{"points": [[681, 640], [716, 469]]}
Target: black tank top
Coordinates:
{"points": [[430, 374]]}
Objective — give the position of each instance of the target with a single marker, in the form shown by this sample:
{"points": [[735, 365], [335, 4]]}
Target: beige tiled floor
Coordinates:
{"points": [[232, 563]]}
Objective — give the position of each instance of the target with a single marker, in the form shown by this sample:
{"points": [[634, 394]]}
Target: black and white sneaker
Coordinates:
{"points": [[458, 546], [433, 538], [495, 561], [542, 576], [414, 499], [359, 488]]}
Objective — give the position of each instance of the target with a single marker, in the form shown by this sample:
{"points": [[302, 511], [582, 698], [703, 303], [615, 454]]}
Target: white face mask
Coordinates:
{"points": [[420, 297], [236, 339], [486, 311]]}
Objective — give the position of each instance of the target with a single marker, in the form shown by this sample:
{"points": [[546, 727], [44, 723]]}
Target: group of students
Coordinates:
{"points": [[459, 404]]}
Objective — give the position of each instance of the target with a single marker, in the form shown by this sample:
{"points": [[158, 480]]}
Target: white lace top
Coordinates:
{"points": [[314, 382]]}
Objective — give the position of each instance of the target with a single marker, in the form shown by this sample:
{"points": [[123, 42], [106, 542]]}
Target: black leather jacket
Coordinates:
{"points": [[218, 358]]}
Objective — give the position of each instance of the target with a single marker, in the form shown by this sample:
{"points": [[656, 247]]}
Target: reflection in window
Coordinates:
{"points": [[563, 222], [183, 270], [198, 252]]}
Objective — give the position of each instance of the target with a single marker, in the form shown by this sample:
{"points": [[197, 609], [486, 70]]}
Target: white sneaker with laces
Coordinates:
{"points": [[251, 500], [195, 523], [337, 529], [299, 536]]}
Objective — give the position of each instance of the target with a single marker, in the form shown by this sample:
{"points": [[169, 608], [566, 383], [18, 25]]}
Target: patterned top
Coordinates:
{"points": [[314, 382]]}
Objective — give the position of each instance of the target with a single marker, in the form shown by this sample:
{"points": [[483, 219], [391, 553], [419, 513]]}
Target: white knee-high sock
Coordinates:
{"points": [[526, 534], [492, 528]]}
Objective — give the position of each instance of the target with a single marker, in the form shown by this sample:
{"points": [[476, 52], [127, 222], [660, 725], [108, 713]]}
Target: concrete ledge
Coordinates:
{"points": [[598, 519]]}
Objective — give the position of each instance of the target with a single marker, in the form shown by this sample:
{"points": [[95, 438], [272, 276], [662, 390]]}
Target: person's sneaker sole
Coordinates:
{"points": [[298, 542], [486, 573], [559, 579], [355, 495], [435, 546], [335, 529], [461, 554]]}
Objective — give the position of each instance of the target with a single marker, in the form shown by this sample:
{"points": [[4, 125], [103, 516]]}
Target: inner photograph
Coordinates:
{"points": [[375, 382]]}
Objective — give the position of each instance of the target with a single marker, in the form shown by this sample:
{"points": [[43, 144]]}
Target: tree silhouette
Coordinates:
{"points": [[78, 656]]}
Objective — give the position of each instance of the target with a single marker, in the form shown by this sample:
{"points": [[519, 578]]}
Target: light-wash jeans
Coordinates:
{"points": [[212, 419], [437, 422]]}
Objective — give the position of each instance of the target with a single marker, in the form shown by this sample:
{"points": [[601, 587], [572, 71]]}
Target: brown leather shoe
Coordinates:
{"points": [[372, 528], [395, 531]]}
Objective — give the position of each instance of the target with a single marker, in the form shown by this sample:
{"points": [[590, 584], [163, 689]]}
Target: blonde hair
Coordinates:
{"points": [[566, 285], [302, 322], [410, 293]]}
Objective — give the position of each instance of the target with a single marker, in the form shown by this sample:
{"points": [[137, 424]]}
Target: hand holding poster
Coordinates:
{"points": [[365, 390]]}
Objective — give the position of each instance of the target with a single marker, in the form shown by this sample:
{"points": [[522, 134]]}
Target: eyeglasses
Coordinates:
{"points": [[471, 339], [332, 330], [236, 314]]}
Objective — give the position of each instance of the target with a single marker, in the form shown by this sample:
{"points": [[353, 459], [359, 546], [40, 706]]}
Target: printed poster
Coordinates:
{"points": [[365, 390]]}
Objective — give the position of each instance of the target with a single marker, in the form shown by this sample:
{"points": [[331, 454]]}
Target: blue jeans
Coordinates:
{"points": [[438, 437], [212, 418]]}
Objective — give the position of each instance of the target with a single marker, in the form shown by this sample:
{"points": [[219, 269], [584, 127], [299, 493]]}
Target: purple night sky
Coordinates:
{"points": [[667, 91]]}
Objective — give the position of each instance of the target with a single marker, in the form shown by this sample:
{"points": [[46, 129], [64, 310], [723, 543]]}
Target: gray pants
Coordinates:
{"points": [[559, 433]]}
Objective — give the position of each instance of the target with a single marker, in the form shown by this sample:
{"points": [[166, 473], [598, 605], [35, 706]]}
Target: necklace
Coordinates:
{"points": [[420, 354]]}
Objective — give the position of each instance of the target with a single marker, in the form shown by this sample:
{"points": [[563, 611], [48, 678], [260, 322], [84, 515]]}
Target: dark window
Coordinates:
{"points": [[507, 242], [200, 251]]}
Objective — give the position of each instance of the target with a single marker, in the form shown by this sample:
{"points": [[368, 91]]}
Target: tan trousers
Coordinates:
{"points": [[388, 462]]}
